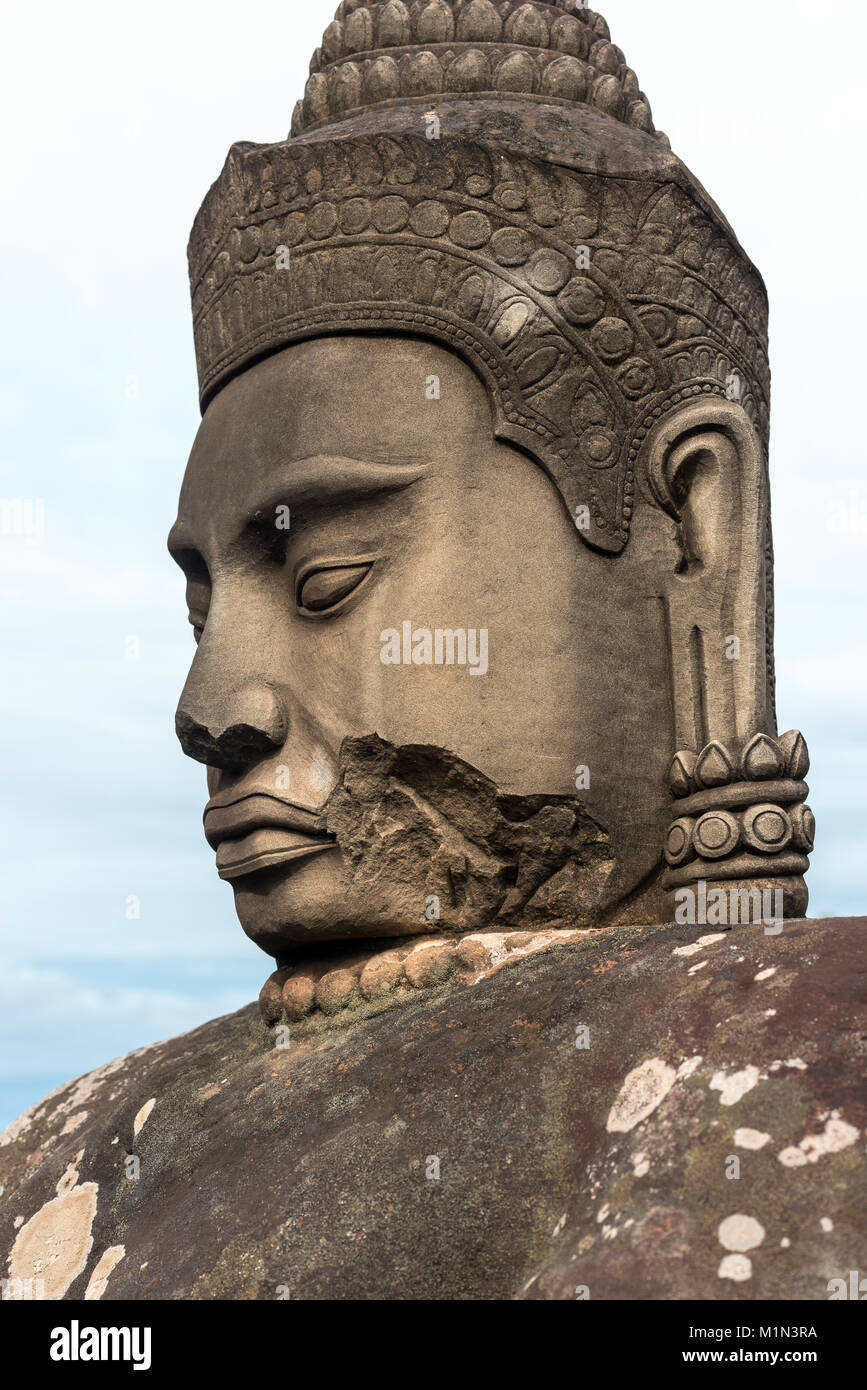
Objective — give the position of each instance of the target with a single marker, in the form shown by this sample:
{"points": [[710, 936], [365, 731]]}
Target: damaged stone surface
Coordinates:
{"points": [[564, 1170], [417, 822]]}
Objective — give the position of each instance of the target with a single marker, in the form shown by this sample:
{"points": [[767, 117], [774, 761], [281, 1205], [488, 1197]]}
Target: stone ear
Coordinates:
{"points": [[705, 467], [740, 826]]}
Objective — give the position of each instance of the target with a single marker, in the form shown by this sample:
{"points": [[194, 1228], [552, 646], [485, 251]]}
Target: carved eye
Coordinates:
{"points": [[324, 589]]}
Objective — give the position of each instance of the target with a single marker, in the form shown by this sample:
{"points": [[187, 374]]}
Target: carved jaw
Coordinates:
{"points": [[423, 844], [468, 877]]}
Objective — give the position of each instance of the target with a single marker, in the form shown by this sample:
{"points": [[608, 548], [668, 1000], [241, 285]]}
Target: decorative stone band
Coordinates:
{"points": [[371, 980], [376, 53], [474, 246], [740, 817]]}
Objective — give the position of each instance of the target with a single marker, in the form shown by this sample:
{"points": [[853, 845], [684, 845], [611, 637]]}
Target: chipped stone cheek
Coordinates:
{"points": [[98, 1281], [836, 1136], [55, 1244], [733, 1086], [142, 1117], [490, 858]]}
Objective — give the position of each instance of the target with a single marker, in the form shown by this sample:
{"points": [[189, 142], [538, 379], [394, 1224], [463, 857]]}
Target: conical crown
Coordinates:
{"points": [[486, 176], [381, 51]]}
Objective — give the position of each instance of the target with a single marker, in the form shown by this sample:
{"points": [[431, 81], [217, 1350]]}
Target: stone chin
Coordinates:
{"points": [[298, 905]]}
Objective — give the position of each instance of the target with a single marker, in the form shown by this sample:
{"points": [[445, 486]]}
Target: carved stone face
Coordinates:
{"points": [[414, 675], [330, 499]]}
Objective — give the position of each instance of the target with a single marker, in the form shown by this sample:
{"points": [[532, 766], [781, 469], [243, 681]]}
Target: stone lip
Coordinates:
{"points": [[561, 1167]]}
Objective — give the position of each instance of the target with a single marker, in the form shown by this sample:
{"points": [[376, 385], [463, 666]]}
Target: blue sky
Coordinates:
{"points": [[118, 121]]}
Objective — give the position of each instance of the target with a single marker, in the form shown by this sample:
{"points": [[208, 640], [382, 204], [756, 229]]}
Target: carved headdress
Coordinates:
{"points": [[487, 175]]}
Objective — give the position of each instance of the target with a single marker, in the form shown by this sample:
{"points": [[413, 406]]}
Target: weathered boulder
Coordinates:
{"points": [[708, 1143]]}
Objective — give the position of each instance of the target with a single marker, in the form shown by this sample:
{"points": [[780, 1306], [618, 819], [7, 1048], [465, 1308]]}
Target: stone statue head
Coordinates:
{"points": [[476, 526]]}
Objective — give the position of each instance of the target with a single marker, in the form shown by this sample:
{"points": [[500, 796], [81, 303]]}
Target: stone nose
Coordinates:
{"points": [[252, 725]]}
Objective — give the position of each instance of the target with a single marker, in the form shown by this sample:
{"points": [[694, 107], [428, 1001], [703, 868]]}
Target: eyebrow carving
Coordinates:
{"points": [[317, 478], [326, 478]]}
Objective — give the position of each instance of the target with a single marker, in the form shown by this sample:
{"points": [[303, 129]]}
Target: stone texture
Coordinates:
{"points": [[490, 46], [560, 1168], [312, 990], [427, 825], [480, 186]]}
